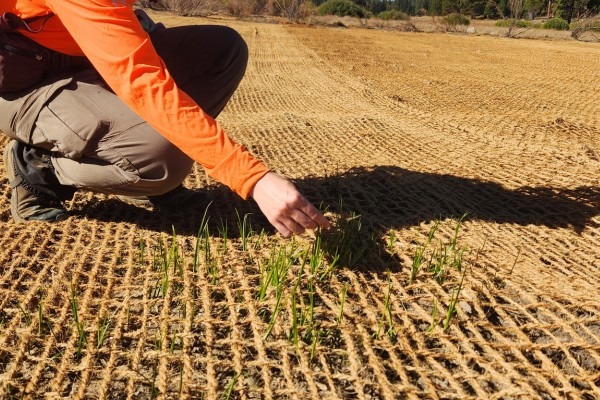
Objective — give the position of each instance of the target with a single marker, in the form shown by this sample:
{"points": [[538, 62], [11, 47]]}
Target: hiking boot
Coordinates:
{"points": [[25, 204], [179, 198]]}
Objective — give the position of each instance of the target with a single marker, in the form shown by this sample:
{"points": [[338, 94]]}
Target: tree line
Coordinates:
{"points": [[493, 9]]}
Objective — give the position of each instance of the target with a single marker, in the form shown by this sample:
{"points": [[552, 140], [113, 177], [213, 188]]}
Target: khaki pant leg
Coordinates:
{"points": [[98, 143]]}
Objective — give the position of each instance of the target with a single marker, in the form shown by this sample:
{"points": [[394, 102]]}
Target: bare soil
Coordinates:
{"points": [[395, 133]]}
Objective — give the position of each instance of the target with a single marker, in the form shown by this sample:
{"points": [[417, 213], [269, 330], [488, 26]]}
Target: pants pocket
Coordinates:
{"points": [[72, 122]]}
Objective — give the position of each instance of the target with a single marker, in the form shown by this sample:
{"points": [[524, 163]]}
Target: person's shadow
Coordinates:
{"points": [[385, 197]]}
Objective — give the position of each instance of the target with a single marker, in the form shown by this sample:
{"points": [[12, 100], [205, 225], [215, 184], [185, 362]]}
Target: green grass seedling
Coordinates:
{"points": [[141, 250], [274, 314], [420, 252], [349, 243], [386, 313], [223, 234], [245, 228], [154, 392], [174, 257], [315, 333], [260, 239], [26, 316], [293, 336], [391, 242], [434, 312], [274, 270], [457, 260], [438, 262], [298, 317], [203, 243], [103, 328], [453, 301], [199, 238], [342, 301], [40, 316], [228, 392], [173, 344], [79, 326], [153, 389]]}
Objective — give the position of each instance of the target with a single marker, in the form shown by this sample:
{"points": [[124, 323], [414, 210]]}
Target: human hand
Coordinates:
{"points": [[285, 208]]}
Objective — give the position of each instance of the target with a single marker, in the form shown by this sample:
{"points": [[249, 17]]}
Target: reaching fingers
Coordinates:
{"points": [[297, 220], [284, 206], [282, 229], [309, 216]]}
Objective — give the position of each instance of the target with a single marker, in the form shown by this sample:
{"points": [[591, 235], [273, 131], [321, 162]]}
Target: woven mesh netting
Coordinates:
{"points": [[464, 260]]}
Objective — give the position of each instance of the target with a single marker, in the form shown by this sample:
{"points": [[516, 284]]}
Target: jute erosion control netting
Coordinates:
{"points": [[464, 260]]}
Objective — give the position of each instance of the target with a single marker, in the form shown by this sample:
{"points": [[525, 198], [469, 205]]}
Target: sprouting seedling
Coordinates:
{"points": [[127, 317], [299, 313], [26, 316], [434, 312], [180, 380], [164, 280], [453, 301], [438, 262], [174, 340], [226, 395], [199, 237], [350, 242], [103, 328], [315, 333], [151, 381], [174, 257], [457, 254], [342, 301], [141, 250], [40, 316], [245, 229], [456, 230], [203, 243], [81, 337], [391, 242], [264, 281], [386, 313], [293, 336], [223, 234], [261, 238], [158, 340], [153, 389], [274, 314], [316, 256], [420, 252]]}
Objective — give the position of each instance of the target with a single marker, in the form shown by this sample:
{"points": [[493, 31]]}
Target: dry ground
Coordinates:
{"points": [[408, 130]]}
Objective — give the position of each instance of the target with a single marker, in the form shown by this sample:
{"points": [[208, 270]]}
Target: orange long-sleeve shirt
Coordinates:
{"points": [[108, 33]]}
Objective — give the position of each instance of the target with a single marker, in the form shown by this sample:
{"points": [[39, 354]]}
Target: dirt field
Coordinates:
{"points": [[397, 134]]}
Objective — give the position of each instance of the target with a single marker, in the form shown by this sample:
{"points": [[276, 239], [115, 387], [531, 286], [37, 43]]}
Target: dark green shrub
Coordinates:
{"points": [[341, 8], [455, 19], [393, 15], [519, 23], [556, 23]]}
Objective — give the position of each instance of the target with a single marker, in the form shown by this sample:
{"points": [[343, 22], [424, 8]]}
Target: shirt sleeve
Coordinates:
{"points": [[108, 33]]}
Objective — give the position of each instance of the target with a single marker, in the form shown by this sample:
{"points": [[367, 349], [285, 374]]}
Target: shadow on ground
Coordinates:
{"points": [[386, 197], [391, 197]]}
